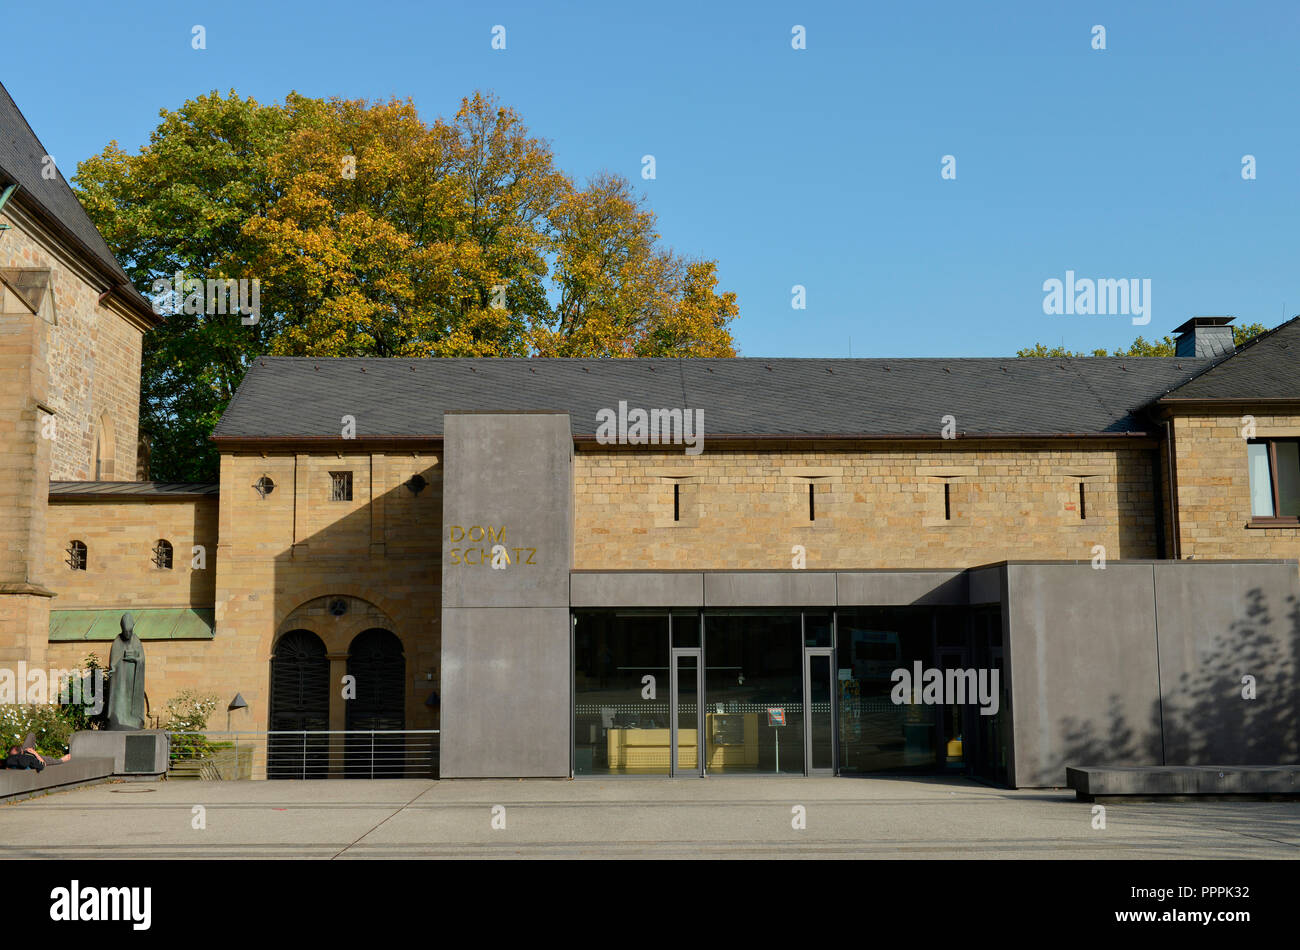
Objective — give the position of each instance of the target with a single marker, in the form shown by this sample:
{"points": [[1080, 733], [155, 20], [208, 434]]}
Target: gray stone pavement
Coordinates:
{"points": [[642, 818]]}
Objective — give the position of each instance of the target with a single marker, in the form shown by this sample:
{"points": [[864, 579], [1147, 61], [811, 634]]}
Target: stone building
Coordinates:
{"points": [[70, 337], [673, 567]]}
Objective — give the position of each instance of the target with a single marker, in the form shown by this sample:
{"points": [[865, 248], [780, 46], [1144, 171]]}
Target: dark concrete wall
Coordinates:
{"points": [[1141, 664], [1081, 647], [648, 589], [505, 633], [1220, 622], [766, 588]]}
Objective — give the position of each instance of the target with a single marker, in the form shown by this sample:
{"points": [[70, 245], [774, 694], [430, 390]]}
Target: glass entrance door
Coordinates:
{"points": [[819, 710], [684, 714], [954, 718]]}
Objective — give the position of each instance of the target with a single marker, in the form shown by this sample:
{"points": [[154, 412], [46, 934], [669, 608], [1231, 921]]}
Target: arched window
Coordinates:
{"points": [[162, 555], [300, 702], [77, 555], [105, 462]]}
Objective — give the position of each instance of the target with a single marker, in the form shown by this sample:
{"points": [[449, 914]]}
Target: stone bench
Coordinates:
{"points": [[24, 783], [1100, 783]]}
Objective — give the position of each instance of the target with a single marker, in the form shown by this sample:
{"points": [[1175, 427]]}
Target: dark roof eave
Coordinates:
{"points": [[74, 497], [1226, 401], [337, 441], [124, 293], [129, 296], [319, 439], [61, 490]]}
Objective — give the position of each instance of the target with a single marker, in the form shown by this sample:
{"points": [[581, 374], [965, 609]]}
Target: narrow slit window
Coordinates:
{"points": [[812, 501], [677, 502], [947, 501], [1083, 503], [77, 556]]}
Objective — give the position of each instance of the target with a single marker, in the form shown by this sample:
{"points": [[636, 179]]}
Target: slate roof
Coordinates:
{"points": [[305, 398], [1267, 367], [128, 490], [21, 162]]}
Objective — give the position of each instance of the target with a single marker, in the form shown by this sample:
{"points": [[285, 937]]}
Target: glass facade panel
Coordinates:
{"points": [[877, 734], [753, 692], [688, 712], [955, 717], [686, 628], [817, 630], [990, 756], [902, 692], [821, 751], [912, 682], [621, 684]]}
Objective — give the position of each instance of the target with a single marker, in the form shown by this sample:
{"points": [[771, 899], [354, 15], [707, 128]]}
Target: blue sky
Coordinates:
{"points": [[819, 167]]}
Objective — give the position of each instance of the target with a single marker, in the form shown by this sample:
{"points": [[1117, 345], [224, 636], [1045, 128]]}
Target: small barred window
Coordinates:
{"points": [[341, 486], [162, 555]]}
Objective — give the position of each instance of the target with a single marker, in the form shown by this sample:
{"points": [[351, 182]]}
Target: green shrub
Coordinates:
{"points": [[188, 712], [52, 723], [53, 731]]}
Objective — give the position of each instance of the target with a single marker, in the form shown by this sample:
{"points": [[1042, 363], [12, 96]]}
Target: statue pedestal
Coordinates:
{"points": [[133, 751]]}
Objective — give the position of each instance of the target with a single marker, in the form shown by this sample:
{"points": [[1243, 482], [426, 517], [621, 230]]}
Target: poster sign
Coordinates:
{"points": [[775, 716]]}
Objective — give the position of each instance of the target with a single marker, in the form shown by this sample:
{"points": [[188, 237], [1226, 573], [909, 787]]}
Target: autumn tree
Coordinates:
{"points": [[181, 205], [373, 233], [620, 293], [1140, 346]]}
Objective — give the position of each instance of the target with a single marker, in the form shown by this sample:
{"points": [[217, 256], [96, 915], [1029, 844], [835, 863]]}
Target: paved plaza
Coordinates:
{"points": [[634, 818]]}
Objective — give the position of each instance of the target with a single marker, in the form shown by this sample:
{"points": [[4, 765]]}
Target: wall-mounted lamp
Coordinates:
{"points": [[236, 703]]}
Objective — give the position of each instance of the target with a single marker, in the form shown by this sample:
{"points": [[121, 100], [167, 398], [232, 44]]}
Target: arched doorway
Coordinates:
{"points": [[300, 702], [378, 668]]}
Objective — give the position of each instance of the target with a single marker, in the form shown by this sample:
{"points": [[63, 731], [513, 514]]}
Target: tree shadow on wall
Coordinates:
{"points": [[1208, 718], [1204, 717], [1085, 743]]}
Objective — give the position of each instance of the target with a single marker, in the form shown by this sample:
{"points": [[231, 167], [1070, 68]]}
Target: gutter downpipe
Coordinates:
{"points": [[1173, 490], [1158, 493], [4, 200]]}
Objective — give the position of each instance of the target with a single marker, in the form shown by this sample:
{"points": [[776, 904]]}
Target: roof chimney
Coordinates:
{"points": [[1204, 338]]}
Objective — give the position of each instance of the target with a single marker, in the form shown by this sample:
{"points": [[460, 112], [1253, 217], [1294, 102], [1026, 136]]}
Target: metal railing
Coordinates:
{"points": [[305, 754]]}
